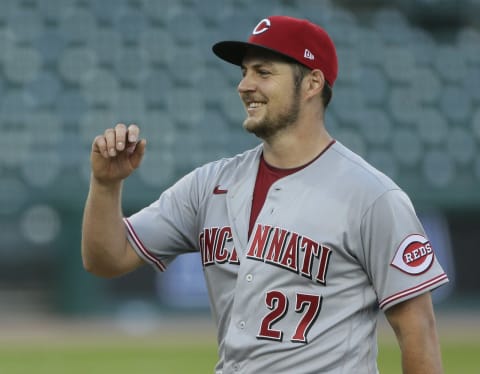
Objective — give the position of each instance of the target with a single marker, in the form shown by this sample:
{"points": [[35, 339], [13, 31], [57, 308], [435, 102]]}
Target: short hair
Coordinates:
{"points": [[300, 71], [327, 94]]}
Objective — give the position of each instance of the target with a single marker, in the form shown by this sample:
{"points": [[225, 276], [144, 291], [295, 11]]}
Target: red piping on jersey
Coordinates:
{"points": [[412, 290], [148, 255], [284, 172]]}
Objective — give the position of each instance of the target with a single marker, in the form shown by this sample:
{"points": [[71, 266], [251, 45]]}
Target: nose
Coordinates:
{"points": [[246, 84]]}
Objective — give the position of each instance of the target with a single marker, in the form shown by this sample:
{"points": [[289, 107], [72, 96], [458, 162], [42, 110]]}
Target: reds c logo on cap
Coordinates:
{"points": [[262, 26], [414, 255]]}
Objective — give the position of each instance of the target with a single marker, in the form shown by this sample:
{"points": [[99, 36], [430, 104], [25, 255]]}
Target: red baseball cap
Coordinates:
{"points": [[298, 39]]}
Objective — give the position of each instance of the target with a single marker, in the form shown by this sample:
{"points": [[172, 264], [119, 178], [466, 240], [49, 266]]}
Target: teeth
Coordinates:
{"points": [[254, 105]]}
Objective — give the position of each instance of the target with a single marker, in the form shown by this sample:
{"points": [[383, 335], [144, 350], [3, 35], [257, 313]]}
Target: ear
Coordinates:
{"points": [[315, 83]]}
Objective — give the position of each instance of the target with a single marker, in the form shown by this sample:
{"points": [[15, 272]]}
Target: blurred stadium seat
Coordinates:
{"points": [[407, 98]]}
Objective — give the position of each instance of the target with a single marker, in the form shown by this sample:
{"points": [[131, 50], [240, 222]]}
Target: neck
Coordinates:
{"points": [[296, 146]]}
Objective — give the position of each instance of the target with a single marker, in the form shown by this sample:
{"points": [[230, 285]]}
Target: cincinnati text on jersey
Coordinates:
{"points": [[272, 245]]}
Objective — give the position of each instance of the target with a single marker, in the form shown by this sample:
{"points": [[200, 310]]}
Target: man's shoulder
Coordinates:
{"points": [[354, 170], [237, 163]]}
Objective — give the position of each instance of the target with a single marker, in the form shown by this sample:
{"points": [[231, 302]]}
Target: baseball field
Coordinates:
{"points": [[43, 347]]}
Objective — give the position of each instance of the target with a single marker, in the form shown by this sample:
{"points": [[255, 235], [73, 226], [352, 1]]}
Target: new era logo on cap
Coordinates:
{"points": [[308, 54], [295, 38]]}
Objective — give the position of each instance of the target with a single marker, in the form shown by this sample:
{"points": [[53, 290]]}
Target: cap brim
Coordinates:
{"points": [[231, 51], [234, 51]]}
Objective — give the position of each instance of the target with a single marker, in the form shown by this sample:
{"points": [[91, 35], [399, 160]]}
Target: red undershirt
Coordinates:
{"points": [[266, 176]]}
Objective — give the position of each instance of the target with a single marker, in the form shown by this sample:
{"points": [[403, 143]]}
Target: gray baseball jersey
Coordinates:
{"points": [[333, 244]]}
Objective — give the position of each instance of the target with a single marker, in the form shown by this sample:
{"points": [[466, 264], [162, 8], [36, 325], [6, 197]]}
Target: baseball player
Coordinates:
{"points": [[302, 242]]}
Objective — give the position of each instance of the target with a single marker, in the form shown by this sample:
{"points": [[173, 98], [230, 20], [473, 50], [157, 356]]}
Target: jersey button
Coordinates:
{"points": [[249, 277], [241, 324], [236, 367]]}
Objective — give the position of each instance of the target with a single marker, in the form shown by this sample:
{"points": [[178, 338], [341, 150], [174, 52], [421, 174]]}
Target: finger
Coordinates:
{"points": [[120, 136], [110, 141], [132, 146], [100, 145], [133, 133], [137, 154]]}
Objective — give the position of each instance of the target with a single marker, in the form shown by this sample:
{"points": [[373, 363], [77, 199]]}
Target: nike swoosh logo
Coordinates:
{"points": [[218, 191]]}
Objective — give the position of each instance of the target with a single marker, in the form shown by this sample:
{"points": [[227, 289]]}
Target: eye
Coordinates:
{"points": [[263, 72]]}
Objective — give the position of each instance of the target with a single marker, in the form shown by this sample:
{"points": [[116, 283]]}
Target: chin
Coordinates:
{"points": [[249, 124], [257, 128]]}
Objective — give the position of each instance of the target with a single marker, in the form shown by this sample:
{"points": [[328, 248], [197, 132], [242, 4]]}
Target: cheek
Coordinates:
{"points": [[285, 102]]}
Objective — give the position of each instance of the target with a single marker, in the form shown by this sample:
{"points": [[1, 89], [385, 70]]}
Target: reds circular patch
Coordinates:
{"points": [[414, 255]]}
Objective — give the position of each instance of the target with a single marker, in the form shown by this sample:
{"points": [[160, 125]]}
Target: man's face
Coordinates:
{"points": [[268, 91]]}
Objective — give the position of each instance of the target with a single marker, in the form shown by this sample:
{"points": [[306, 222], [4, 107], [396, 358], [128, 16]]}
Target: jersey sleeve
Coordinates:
{"points": [[166, 228], [398, 255]]}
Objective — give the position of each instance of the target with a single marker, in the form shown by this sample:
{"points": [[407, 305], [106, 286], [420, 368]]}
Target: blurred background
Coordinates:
{"points": [[407, 99]]}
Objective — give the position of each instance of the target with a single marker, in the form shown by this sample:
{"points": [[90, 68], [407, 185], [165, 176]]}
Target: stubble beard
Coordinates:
{"points": [[269, 126]]}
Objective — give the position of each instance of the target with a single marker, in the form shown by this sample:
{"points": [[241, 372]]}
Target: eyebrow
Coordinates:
{"points": [[259, 64]]}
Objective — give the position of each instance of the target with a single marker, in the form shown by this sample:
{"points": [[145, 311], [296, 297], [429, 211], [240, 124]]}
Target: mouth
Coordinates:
{"points": [[252, 106]]}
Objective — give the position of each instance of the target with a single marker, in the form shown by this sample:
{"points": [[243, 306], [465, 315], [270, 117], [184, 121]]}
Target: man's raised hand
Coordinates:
{"points": [[117, 153]]}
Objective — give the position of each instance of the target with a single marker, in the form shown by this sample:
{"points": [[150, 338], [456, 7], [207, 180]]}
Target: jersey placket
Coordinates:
{"points": [[244, 325]]}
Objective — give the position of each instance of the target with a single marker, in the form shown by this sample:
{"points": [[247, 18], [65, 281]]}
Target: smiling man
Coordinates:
{"points": [[266, 79], [301, 240]]}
